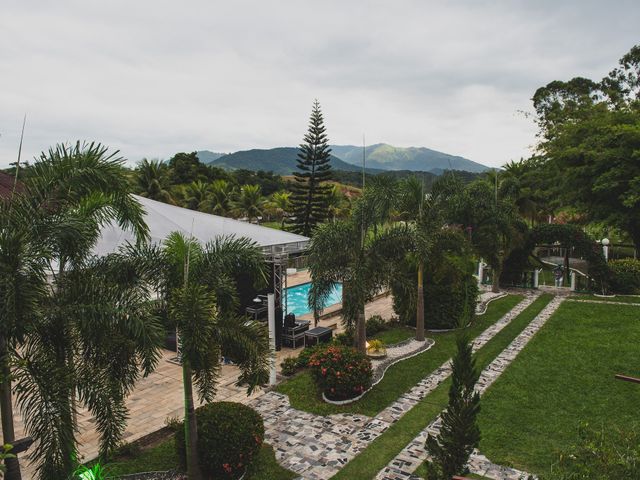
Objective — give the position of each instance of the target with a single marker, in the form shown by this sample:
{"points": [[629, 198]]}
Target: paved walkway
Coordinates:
{"points": [[414, 454], [316, 447]]}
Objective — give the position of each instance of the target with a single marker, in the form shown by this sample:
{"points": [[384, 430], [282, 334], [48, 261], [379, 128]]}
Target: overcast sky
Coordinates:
{"points": [[152, 78]]}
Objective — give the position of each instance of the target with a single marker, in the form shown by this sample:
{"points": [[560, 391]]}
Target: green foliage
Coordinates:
{"points": [[590, 133], [289, 366], [626, 275], [341, 372], [95, 472], [600, 454], [459, 433], [310, 199], [376, 324], [230, 436], [5, 453], [376, 346], [303, 357], [450, 289]]}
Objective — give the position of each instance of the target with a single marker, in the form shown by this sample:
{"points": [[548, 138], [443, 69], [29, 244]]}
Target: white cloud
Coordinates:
{"points": [[152, 78]]}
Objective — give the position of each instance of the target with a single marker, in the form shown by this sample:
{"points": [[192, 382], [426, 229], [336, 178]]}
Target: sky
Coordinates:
{"points": [[152, 78]]}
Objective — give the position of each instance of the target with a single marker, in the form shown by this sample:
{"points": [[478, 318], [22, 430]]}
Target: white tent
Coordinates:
{"points": [[162, 219]]}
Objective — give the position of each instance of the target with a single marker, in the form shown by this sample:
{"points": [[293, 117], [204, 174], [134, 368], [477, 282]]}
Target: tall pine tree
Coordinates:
{"points": [[310, 200], [459, 433]]}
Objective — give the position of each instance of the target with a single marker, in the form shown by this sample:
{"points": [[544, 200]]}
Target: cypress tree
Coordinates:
{"points": [[311, 194], [459, 433]]}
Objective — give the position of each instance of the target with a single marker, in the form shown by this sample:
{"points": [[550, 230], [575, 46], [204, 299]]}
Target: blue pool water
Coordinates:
{"points": [[297, 298]]}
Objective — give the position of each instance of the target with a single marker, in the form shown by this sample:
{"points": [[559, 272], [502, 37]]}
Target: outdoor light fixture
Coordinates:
{"points": [[605, 241], [257, 300]]}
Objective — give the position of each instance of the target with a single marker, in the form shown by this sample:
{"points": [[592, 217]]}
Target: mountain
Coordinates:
{"points": [[281, 161], [388, 157], [205, 156]]}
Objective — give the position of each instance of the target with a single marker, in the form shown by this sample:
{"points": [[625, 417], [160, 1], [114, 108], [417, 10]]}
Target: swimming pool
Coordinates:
{"points": [[297, 298]]}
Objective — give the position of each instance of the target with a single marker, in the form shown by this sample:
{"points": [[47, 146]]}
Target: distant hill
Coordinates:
{"points": [[388, 157], [281, 161], [205, 156]]}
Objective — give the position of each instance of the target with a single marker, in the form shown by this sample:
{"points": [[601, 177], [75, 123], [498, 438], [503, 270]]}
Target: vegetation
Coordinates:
{"points": [[340, 372], [563, 377], [626, 275], [230, 436], [400, 377], [384, 448], [459, 433], [310, 199], [200, 293], [59, 340]]}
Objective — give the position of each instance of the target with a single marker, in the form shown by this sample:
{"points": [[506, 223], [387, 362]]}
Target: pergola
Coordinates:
{"points": [[162, 219]]}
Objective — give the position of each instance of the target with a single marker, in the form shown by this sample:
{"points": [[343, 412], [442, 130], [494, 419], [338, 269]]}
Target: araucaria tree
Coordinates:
{"points": [[311, 194], [459, 433]]}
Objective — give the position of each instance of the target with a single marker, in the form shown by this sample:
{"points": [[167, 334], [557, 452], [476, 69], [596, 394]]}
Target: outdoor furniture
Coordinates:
{"points": [[256, 312], [317, 335], [294, 335]]}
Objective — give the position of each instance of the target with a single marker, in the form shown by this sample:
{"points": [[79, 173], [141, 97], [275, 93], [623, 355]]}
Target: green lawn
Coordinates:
{"points": [[383, 449], [399, 378], [395, 334], [163, 457], [617, 298], [564, 377]]}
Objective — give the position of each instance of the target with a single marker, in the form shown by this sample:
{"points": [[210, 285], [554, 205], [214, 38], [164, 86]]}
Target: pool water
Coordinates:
{"points": [[297, 298]]}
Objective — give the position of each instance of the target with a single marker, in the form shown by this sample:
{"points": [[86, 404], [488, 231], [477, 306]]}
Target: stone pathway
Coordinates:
{"points": [[396, 353], [317, 447], [414, 454]]}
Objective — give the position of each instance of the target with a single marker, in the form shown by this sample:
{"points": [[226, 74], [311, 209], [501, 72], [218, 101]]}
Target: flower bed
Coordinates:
{"points": [[341, 372]]}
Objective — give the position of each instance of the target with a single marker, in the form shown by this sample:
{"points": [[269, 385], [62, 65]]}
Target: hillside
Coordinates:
{"points": [[281, 161], [388, 157], [205, 156]]}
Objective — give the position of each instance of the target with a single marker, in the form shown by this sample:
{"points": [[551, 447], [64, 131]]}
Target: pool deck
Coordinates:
{"points": [[159, 397]]}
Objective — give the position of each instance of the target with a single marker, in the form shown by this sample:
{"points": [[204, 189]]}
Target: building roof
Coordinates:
{"points": [[163, 219], [6, 185]]}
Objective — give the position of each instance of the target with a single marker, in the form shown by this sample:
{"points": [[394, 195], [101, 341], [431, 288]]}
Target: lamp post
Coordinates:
{"points": [[605, 248]]}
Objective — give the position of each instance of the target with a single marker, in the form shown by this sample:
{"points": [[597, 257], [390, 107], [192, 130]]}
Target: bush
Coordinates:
{"points": [[344, 338], [376, 324], [341, 372], [626, 276], [289, 366], [229, 436], [305, 355]]}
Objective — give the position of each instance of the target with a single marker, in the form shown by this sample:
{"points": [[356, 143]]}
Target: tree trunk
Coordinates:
{"points": [[6, 411], [190, 426], [420, 305], [361, 333], [495, 281]]}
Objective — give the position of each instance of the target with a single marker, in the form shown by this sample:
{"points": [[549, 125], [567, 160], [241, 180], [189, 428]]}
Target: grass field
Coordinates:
{"points": [[399, 378], [563, 377], [162, 457], [395, 334], [383, 449], [617, 298]]}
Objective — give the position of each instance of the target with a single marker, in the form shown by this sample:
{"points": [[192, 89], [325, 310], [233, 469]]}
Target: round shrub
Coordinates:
{"points": [[341, 372], [376, 324], [626, 275], [289, 366], [229, 437], [304, 356]]}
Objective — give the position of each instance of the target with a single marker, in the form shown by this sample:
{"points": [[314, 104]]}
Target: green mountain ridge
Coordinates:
{"points": [[388, 157], [280, 161], [379, 158]]}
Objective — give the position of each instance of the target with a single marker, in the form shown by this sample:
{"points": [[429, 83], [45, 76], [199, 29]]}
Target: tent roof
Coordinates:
{"points": [[163, 219]]}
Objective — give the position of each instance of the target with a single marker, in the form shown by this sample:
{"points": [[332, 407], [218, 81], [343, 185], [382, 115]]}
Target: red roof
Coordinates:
{"points": [[6, 185]]}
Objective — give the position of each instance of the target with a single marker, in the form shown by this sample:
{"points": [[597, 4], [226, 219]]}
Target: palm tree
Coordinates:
{"points": [[61, 337], [351, 252], [197, 195], [281, 204], [336, 202], [199, 290], [152, 181], [426, 214], [221, 193], [249, 202]]}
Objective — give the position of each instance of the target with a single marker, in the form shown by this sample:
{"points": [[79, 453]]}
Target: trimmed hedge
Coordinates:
{"points": [[229, 437], [341, 372], [626, 276]]}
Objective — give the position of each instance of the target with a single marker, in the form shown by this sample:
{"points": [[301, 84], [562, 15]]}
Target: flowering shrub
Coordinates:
{"points": [[340, 372], [229, 437]]}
